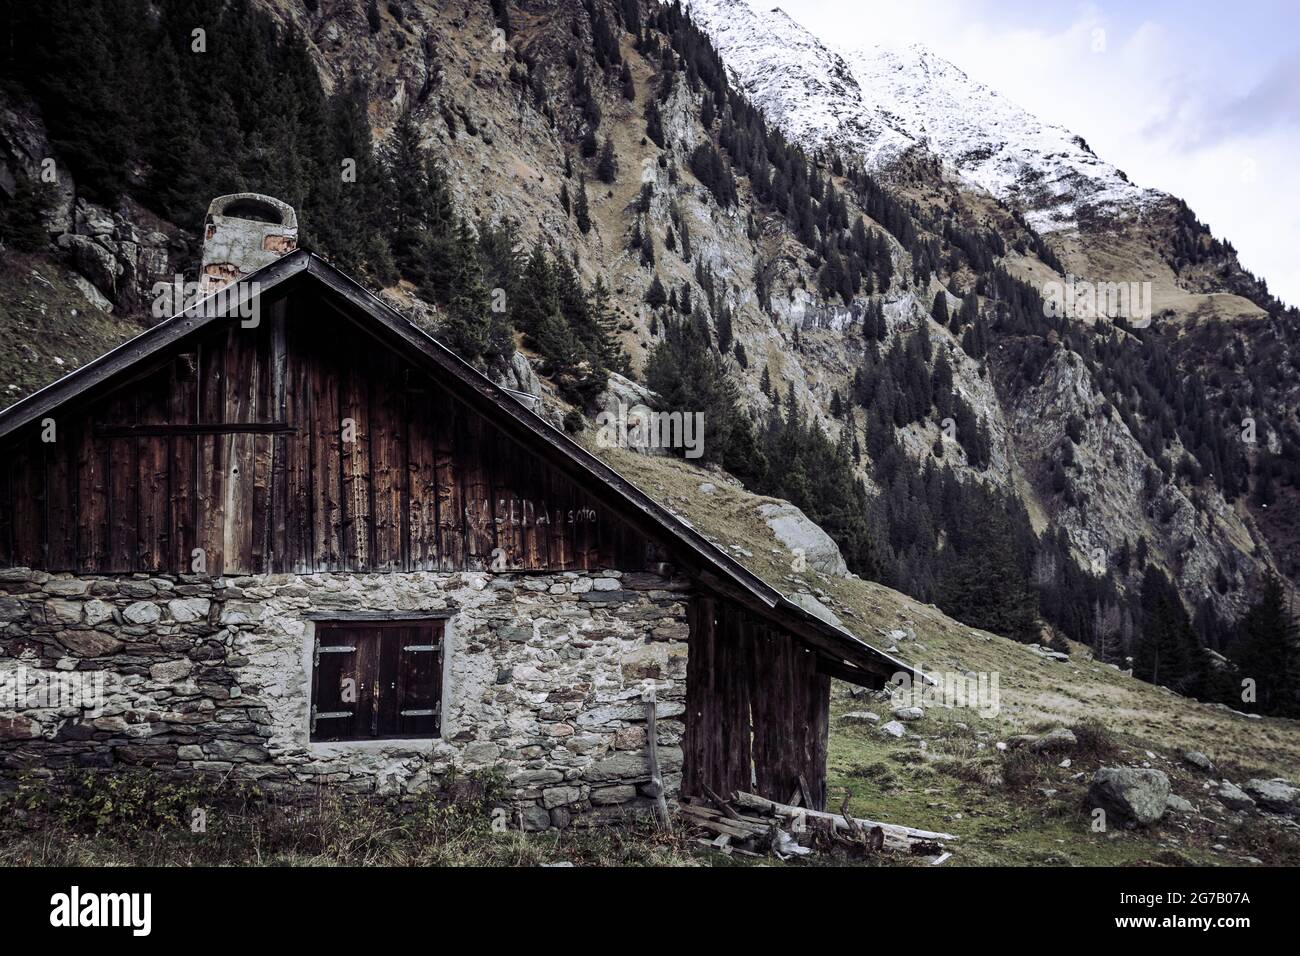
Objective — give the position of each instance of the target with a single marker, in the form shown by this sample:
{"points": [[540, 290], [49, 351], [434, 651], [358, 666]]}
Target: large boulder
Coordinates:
{"points": [[1129, 795], [793, 529], [1233, 797], [519, 375], [1199, 761], [95, 261], [1277, 795]]}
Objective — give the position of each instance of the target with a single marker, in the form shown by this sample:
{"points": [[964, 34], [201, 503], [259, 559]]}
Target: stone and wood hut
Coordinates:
{"points": [[311, 545]]}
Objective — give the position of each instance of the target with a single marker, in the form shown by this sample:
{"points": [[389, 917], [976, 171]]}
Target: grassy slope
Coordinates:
{"points": [[940, 778], [44, 317]]}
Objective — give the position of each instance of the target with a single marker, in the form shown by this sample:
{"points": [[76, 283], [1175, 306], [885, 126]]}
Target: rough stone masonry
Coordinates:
{"points": [[543, 681]]}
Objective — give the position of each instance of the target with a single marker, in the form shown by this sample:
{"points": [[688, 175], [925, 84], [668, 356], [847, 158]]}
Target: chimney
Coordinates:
{"points": [[242, 233]]}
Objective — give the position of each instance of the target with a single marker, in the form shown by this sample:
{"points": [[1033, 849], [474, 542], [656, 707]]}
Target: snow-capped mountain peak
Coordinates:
{"points": [[876, 100]]}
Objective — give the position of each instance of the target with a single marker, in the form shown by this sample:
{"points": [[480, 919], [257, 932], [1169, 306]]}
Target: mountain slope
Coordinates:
{"points": [[886, 106]]}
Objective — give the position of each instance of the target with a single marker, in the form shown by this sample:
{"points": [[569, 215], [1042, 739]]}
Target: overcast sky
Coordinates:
{"points": [[1199, 99]]}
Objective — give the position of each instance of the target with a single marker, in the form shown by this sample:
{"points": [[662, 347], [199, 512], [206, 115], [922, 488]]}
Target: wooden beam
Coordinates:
{"points": [[755, 802], [652, 753], [377, 615], [200, 428]]}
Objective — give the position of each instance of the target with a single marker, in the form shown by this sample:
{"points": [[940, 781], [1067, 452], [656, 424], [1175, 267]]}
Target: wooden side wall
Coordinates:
{"points": [[757, 710], [300, 445]]}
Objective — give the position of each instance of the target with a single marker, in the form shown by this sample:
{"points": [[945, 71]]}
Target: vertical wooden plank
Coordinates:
{"points": [[326, 470], [481, 526], [388, 457], [366, 717], [120, 486], [213, 453], [559, 503], [586, 523], [820, 722], [760, 660], [422, 481], [247, 472], [92, 499], [296, 507], [181, 454], [258, 535], [354, 406], [698, 768], [263, 407], [153, 404], [448, 422], [506, 471], [739, 703], [122, 504], [388, 686], [6, 511], [294, 450], [536, 533], [28, 478], [276, 534], [61, 496]]}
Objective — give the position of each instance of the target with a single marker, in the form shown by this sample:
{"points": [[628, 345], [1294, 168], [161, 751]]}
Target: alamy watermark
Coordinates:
{"points": [[643, 429], [241, 300], [40, 689], [1090, 301], [971, 690]]}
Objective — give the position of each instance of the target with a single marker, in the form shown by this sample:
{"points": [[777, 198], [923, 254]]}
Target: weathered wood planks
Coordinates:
{"points": [[299, 445], [756, 707]]}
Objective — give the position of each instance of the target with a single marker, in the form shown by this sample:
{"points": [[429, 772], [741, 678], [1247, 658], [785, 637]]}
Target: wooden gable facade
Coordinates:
{"points": [[302, 444]]}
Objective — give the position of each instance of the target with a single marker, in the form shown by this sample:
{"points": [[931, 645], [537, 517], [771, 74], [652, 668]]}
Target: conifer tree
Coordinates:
{"points": [[607, 165], [537, 298], [982, 583], [581, 210], [1269, 653], [656, 297], [1167, 651], [939, 311], [654, 123], [467, 327]]}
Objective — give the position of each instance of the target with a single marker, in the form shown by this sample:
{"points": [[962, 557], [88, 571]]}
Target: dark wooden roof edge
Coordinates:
{"points": [[841, 649]]}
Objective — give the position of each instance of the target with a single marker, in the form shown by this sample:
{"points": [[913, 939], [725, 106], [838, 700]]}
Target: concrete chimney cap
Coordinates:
{"points": [[242, 233], [256, 207]]}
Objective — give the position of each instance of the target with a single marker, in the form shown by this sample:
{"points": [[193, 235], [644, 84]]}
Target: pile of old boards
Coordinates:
{"points": [[750, 825]]}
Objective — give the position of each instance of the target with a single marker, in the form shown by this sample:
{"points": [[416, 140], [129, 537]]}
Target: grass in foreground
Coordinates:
{"points": [[137, 818]]}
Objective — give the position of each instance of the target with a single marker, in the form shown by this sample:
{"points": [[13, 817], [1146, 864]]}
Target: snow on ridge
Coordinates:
{"points": [[878, 100]]}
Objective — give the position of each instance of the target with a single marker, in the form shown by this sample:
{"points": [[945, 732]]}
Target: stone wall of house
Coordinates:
{"points": [[543, 681]]}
